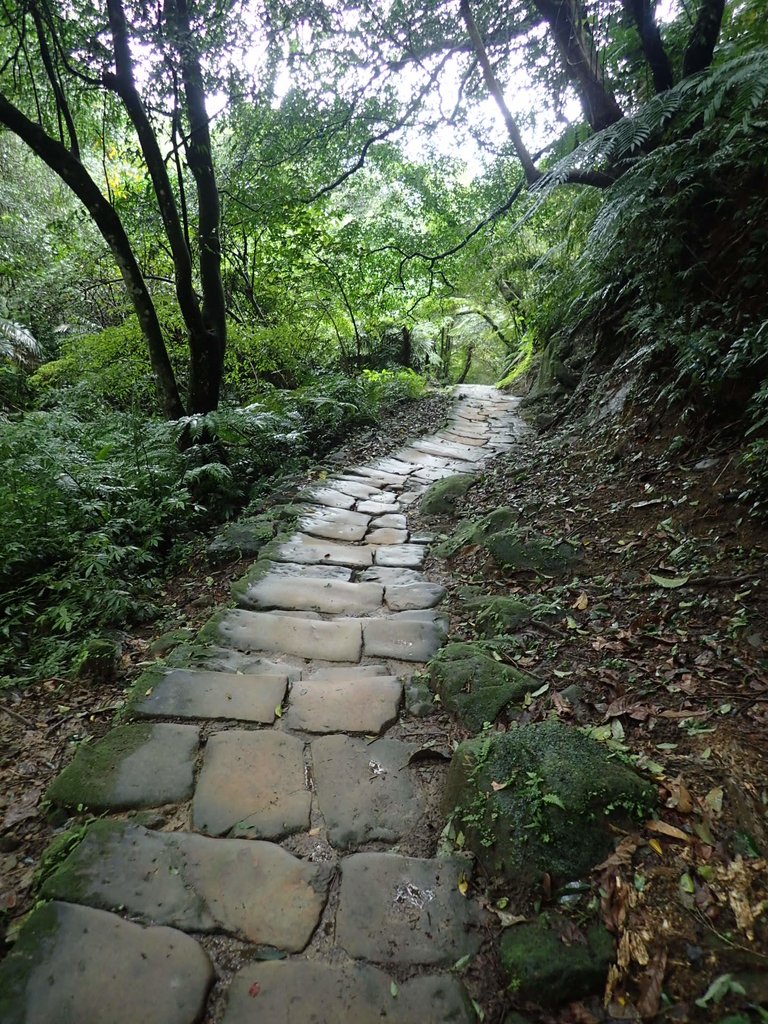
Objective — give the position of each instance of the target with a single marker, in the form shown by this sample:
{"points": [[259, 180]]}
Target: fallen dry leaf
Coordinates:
{"points": [[670, 831]]}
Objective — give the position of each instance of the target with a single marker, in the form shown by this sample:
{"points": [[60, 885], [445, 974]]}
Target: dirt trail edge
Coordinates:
{"points": [[260, 854]]}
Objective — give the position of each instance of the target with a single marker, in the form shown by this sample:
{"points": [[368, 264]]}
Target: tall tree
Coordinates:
{"points": [[59, 65]]}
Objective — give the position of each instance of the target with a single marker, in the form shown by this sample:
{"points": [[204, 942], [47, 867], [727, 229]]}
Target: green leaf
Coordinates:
{"points": [[669, 583]]}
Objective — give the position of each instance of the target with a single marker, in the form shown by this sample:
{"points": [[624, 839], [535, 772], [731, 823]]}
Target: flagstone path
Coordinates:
{"points": [[276, 737]]}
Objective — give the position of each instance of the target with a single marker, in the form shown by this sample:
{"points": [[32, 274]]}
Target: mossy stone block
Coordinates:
{"points": [[440, 498], [243, 539], [539, 798], [497, 615], [473, 685], [136, 765], [99, 658], [542, 968], [513, 550]]}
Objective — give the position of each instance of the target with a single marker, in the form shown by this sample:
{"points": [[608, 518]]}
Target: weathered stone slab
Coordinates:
{"points": [[137, 765], [306, 992], [386, 535], [378, 508], [407, 498], [186, 693], [413, 595], [390, 465], [309, 550], [429, 476], [473, 440], [195, 883], [227, 659], [421, 460], [336, 524], [290, 634], [391, 576], [405, 910], [329, 496], [330, 596], [449, 450], [363, 705], [355, 487], [403, 639], [252, 784], [390, 521], [75, 964], [346, 672], [400, 556], [363, 791], [376, 478], [320, 572]]}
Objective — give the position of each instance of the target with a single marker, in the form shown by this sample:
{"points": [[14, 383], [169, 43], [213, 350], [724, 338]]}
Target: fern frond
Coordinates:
{"points": [[17, 343]]}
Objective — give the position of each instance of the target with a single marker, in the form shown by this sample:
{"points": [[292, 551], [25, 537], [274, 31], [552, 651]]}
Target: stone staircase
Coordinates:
{"points": [[244, 870]]}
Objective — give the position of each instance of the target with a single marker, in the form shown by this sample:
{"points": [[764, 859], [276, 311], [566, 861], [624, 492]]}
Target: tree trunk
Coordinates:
{"points": [[492, 84], [207, 348], [642, 13], [701, 42], [577, 48], [75, 176]]}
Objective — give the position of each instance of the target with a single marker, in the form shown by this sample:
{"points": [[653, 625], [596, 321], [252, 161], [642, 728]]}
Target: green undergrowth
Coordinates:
{"points": [[98, 504]]}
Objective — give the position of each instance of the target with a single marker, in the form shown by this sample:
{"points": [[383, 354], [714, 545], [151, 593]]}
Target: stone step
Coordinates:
{"points": [[317, 595], [340, 672], [136, 765], [386, 535], [406, 910], [195, 883], [413, 596], [252, 784], [357, 705], [336, 524], [329, 496], [390, 521], [356, 487], [364, 790], [449, 450], [338, 640], [187, 693], [312, 551], [378, 508], [308, 992], [404, 638], [76, 964]]}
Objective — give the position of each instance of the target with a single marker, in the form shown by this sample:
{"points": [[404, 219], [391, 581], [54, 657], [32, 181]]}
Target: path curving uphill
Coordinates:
{"points": [[283, 779]]}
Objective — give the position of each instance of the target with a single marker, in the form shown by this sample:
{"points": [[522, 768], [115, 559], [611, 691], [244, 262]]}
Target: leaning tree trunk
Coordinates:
{"points": [[77, 178]]}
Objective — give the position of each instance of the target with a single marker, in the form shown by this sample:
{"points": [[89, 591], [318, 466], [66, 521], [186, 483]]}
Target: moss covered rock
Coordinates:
{"points": [[542, 967], [247, 537], [99, 659], [498, 615], [511, 545], [441, 497], [473, 685], [539, 799], [137, 765]]}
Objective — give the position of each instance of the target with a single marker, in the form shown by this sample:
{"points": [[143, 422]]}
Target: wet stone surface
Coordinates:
{"points": [[406, 910], [196, 883], [293, 992], [77, 964], [357, 705], [252, 784], [365, 790]]}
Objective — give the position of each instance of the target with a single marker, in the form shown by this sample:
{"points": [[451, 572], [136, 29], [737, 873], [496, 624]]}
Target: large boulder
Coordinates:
{"points": [[539, 799], [440, 498], [473, 685]]}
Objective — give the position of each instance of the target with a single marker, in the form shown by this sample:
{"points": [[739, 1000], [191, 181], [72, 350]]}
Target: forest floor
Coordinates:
{"points": [[662, 628]]}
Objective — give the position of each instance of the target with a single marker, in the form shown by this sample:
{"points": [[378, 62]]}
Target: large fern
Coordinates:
{"points": [[17, 343], [733, 92]]}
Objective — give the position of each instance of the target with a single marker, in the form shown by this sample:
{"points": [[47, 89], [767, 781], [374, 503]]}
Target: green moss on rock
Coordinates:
{"points": [[65, 878], [90, 777], [473, 685], [542, 968], [510, 545], [36, 937], [559, 791], [440, 498]]}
